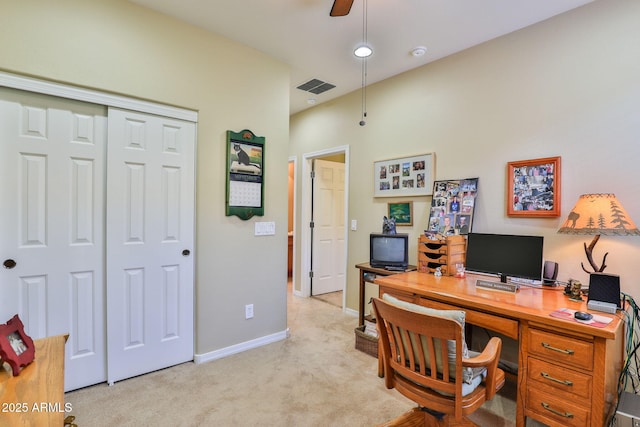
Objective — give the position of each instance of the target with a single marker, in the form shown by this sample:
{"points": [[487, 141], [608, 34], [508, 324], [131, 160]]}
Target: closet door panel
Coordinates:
{"points": [[150, 212], [52, 153]]}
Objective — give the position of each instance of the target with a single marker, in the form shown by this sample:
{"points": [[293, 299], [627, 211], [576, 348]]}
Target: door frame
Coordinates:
{"points": [[305, 235], [60, 90], [294, 161]]}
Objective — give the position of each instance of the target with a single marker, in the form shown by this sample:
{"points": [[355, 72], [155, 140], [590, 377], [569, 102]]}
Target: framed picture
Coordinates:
{"points": [[16, 347], [245, 174], [406, 176], [401, 211], [533, 187], [452, 207]]}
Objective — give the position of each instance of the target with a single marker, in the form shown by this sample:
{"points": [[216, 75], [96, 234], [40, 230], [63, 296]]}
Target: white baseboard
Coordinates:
{"points": [[239, 348], [351, 312]]}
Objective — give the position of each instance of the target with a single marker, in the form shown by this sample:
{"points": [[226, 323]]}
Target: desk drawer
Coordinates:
{"points": [[564, 383], [438, 258], [561, 411], [566, 351], [404, 296], [507, 327]]}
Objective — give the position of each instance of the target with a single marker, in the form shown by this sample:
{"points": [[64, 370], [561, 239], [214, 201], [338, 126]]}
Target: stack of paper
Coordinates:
{"points": [[370, 328]]}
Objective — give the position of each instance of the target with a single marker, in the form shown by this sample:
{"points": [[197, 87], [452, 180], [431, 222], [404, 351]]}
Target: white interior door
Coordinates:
{"points": [[150, 217], [328, 250], [52, 156]]}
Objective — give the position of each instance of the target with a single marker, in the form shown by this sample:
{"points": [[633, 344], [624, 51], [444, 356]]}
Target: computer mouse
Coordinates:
{"points": [[581, 315]]}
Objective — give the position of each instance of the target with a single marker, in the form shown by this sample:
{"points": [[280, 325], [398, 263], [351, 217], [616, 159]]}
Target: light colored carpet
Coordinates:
{"points": [[333, 298], [314, 378]]}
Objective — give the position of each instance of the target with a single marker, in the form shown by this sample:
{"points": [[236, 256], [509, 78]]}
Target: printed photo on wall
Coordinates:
{"points": [[452, 207], [407, 176], [533, 187]]}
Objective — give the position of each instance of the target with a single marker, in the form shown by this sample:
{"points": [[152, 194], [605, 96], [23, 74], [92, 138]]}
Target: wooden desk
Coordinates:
{"points": [[36, 396], [568, 371], [368, 274]]}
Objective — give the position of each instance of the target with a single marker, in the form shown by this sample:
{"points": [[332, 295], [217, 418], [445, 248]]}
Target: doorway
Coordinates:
{"points": [[317, 260]]}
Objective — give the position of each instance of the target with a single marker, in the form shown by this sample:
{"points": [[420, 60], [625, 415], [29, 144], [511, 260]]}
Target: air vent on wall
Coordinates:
{"points": [[316, 86]]}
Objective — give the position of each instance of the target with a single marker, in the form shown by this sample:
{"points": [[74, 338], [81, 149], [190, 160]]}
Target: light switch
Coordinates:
{"points": [[354, 225], [265, 228]]}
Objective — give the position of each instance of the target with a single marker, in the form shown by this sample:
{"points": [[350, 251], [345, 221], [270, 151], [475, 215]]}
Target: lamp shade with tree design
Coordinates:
{"points": [[596, 215]]}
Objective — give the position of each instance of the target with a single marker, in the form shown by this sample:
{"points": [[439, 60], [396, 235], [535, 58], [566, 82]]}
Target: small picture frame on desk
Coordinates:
{"points": [[16, 347], [452, 207]]}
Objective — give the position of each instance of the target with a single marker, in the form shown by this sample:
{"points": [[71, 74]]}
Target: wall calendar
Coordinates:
{"points": [[245, 174]]}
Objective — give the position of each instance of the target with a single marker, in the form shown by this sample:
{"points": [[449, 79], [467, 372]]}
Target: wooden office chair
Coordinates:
{"points": [[423, 359]]}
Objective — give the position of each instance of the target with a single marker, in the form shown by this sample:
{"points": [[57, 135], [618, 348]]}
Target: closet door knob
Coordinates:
{"points": [[9, 263], [186, 252]]}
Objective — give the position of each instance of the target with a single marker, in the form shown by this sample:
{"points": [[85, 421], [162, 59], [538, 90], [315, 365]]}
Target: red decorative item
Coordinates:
{"points": [[16, 347]]}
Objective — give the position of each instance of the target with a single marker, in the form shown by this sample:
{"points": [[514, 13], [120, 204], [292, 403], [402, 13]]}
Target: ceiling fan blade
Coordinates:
{"points": [[341, 7]]}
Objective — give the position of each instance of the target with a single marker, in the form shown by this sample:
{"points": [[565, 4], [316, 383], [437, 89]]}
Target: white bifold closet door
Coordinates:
{"points": [[103, 255]]}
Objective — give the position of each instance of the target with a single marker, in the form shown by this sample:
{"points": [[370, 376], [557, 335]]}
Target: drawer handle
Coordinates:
{"points": [[559, 350], [550, 409], [550, 378]]}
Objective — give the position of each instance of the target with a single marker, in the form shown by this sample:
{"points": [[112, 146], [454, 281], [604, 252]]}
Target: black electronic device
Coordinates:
{"points": [[390, 251], [506, 256], [605, 288], [550, 272], [581, 315]]}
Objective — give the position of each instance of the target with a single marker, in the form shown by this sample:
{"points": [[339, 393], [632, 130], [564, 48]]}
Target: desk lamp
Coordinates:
{"points": [[596, 215]]}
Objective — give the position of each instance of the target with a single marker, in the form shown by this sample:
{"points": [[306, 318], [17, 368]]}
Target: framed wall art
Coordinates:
{"points": [[245, 174], [406, 176], [452, 207], [402, 212], [16, 347], [533, 187]]}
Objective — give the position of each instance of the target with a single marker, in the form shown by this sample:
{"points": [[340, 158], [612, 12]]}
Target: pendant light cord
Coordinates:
{"points": [[364, 64]]}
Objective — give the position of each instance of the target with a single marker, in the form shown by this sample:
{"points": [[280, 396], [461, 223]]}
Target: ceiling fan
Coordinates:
{"points": [[341, 7]]}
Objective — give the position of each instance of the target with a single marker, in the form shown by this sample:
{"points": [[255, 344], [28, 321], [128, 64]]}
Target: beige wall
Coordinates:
{"points": [[566, 87], [115, 46]]}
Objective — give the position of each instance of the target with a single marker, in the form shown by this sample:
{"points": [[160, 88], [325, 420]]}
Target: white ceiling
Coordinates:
{"points": [[302, 34]]}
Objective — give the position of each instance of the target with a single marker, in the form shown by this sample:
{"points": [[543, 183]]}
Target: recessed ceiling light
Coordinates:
{"points": [[419, 51], [363, 51]]}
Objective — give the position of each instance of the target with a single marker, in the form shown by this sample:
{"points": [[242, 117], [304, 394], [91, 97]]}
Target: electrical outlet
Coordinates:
{"points": [[248, 311], [636, 422]]}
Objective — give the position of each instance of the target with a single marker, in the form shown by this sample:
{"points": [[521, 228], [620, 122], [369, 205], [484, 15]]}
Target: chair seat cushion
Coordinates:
{"points": [[478, 375], [457, 315]]}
